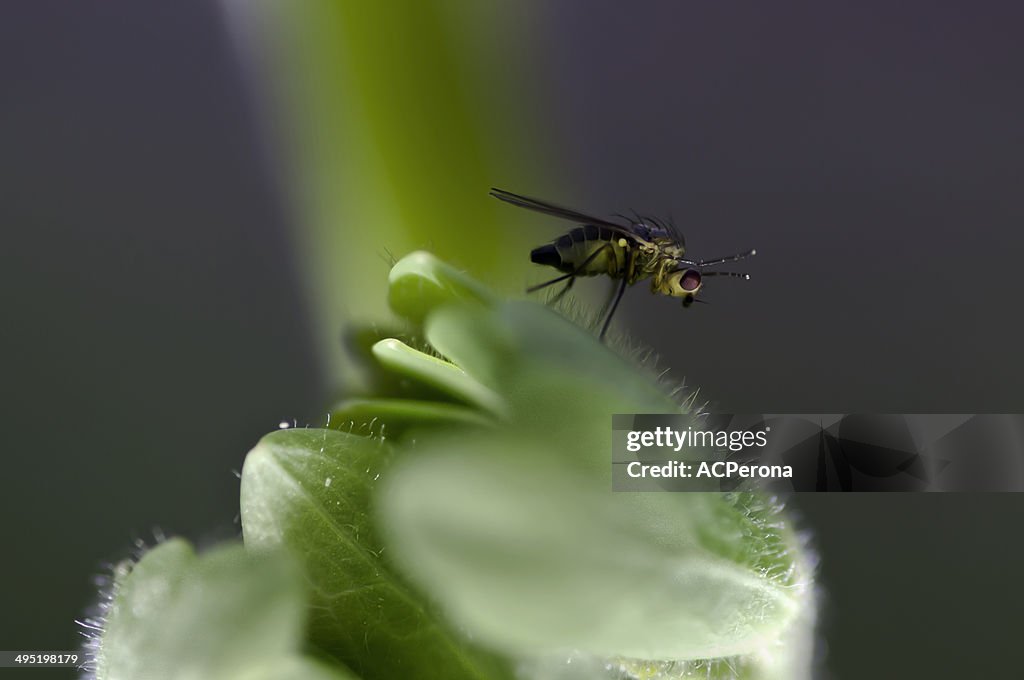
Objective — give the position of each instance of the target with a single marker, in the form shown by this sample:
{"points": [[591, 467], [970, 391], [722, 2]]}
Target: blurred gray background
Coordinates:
{"points": [[872, 152]]}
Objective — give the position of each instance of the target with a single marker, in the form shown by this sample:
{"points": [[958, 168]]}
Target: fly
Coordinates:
{"points": [[645, 248]]}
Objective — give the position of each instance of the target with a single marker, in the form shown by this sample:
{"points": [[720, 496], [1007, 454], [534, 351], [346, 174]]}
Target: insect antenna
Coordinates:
{"points": [[735, 275], [720, 260]]}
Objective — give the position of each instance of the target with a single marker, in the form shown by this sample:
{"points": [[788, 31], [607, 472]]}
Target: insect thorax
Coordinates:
{"points": [[670, 248]]}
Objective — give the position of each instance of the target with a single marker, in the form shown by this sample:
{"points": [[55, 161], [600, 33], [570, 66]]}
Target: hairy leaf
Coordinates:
{"points": [[310, 490]]}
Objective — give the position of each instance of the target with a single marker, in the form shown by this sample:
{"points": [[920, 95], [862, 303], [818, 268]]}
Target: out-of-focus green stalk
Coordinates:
{"points": [[392, 119]]}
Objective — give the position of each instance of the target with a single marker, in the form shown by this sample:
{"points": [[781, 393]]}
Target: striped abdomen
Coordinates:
{"points": [[578, 248]]}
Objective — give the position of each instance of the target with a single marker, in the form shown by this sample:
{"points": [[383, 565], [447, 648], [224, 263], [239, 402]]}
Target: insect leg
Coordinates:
{"points": [[618, 298], [612, 290], [571, 275], [539, 286], [565, 289]]}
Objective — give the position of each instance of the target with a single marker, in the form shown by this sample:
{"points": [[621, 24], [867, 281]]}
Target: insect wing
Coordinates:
{"points": [[564, 213]]}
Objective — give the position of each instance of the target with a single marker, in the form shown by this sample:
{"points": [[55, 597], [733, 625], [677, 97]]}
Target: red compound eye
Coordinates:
{"points": [[690, 281]]}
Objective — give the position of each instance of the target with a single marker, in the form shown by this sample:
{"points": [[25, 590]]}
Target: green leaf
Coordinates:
{"points": [[535, 557], [226, 614], [309, 490], [420, 283], [526, 352], [437, 373], [398, 416], [294, 668], [559, 384]]}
